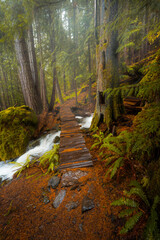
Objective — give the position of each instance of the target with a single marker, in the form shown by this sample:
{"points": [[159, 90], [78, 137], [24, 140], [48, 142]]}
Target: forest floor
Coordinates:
{"points": [[26, 203]]}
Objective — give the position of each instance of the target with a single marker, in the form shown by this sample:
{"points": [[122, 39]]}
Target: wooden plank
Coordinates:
{"points": [[73, 151]]}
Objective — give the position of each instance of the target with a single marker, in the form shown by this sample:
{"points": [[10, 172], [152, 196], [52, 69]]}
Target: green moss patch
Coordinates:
{"points": [[17, 126]]}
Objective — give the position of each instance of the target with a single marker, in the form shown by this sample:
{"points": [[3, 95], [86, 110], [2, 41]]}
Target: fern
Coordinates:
{"points": [[134, 212], [114, 167], [152, 231], [131, 223], [126, 212], [125, 202], [120, 151], [22, 166], [50, 159], [99, 139]]}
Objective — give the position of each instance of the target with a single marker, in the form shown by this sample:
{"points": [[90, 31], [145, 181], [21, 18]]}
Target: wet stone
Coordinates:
{"points": [[72, 205], [57, 139], [54, 182], [87, 204], [59, 198], [70, 178], [46, 200], [75, 186]]}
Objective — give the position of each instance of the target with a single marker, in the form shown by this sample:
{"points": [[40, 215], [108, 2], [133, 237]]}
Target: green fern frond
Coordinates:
{"points": [[131, 222], [110, 159], [125, 202], [152, 230], [127, 212], [94, 145], [139, 192], [113, 148], [118, 163]]}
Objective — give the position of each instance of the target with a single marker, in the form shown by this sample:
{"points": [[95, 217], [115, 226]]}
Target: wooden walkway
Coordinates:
{"points": [[73, 151]]}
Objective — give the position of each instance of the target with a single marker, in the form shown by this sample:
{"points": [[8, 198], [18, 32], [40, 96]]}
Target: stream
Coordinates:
{"points": [[36, 149]]}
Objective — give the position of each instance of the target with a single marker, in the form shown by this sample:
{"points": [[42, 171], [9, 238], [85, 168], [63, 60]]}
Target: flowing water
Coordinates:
{"points": [[45, 143], [7, 169], [85, 122]]}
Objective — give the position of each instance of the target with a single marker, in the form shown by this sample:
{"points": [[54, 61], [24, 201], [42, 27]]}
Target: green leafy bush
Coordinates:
{"points": [[17, 126]]}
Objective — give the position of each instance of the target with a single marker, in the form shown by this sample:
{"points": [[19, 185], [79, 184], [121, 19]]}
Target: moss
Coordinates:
{"points": [[17, 126], [95, 121], [147, 134]]}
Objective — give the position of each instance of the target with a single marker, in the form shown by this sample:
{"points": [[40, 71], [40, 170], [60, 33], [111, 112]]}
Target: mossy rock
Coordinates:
{"points": [[17, 126]]}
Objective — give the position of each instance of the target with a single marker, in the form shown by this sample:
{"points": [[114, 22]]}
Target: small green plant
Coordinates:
{"points": [[10, 209], [50, 159], [23, 166], [98, 139], [119, 148], [48, 162], [134, 211]]}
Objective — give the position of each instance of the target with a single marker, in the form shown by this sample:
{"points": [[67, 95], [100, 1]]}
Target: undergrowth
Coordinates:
{"points": [[138, 205], [48, 163]]}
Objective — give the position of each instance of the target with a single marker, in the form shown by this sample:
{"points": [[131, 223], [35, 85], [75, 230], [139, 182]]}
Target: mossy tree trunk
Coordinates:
{"points": [[107, 109]]}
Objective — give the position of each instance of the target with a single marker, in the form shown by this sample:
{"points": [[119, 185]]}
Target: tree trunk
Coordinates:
{"points": [[59, 92], [107, 109], [89, 58], [6, 90], [75, 57], [32, 58], [53, 47], [4, 104], [64, 83], [43, 89], [30, 93]]}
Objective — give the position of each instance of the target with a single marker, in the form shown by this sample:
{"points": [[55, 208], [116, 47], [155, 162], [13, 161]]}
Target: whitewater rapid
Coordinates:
{"points": [[8, 168]]}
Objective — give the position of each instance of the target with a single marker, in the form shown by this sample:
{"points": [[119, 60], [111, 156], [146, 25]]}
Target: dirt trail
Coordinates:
{"points": [[27, 212]]}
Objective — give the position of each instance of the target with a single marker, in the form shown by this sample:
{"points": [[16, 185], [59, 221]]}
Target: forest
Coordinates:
{"points": [[79, 119]]}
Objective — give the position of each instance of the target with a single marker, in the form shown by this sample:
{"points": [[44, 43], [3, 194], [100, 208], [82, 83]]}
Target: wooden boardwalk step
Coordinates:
{"points": [[73, 151]]}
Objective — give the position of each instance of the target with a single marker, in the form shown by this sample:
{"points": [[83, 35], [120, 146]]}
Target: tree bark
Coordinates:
{"points": [[110, 108], [75, 60], [53, 47], [31, 96], [32, 58], [43, 89], [59, 92], [89, 58]]}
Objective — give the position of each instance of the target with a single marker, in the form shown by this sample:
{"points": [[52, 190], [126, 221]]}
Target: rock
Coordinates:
{"points": [[87, 204], [70, 178], [33, 144], [81, 227], [57, 139], [46, 200], [59, 199], [54, 182], [75, 186], [72, 205]]}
